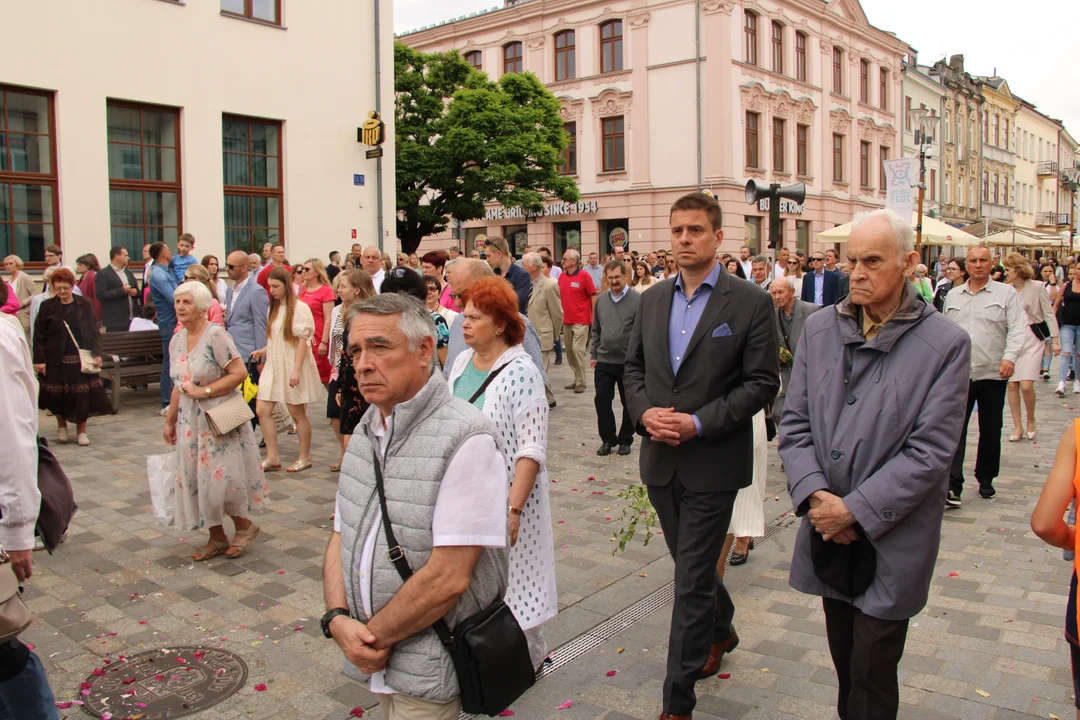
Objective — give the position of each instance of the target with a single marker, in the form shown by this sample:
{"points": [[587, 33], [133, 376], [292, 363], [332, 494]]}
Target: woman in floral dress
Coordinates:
{"points": [[216, 475]]}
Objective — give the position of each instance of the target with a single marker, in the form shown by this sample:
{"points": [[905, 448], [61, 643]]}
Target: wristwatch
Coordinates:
{"points": [[329, 616], [209, 392], [515, 511]]}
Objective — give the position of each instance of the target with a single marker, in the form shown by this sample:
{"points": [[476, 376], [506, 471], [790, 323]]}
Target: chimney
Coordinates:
{"points": [[956, 62]]}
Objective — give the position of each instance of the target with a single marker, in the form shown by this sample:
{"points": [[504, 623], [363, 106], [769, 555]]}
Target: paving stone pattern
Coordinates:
{"points": [[123, 584]]}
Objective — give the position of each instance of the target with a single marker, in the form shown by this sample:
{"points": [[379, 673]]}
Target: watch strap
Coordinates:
{"points": [[329, 617]]}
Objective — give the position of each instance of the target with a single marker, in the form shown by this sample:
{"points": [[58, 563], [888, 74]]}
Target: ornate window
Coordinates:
{"points": [[882, 184], [611, 49], [838, 71], [512, 58], [838, 157], [800, 56], [752, 156], [750, 37], [569, 161], [475, 58], [864, 164], [802, 156], [777, 47], [883, 89], [864, 81], [778, 128], [614, 144], [565, 52]]}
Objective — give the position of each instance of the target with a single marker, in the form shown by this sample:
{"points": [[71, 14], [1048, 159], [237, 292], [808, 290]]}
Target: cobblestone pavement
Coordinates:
{"points": [[989, 645]]}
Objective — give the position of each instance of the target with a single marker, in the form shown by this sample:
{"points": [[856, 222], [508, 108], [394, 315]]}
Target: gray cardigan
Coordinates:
{"points": [[612, 324]]}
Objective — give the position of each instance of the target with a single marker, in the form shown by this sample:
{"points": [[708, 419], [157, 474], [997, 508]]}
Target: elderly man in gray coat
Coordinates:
{"points": [[871, 422], [791, 314]]}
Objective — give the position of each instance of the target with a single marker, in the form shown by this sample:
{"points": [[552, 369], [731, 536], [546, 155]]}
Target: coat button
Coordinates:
{"points": [[674, 392], [835, 454], [887, 514], [850, 399]]}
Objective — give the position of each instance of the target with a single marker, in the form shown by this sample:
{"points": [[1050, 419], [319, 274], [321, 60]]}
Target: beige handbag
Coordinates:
{"points": [[14, 615], [229, 415], [86, 358]]}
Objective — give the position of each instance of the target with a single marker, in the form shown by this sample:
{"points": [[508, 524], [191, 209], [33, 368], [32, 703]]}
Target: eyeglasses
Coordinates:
{"points": [[793, 262], [233, 267], [817, 259], [305, 268]]}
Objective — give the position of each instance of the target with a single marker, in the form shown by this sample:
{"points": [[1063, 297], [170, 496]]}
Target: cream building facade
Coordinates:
{"points": [[661, 100], [1038, 170], [131, 121], [961, 146], [998, 148], [921, 91]]}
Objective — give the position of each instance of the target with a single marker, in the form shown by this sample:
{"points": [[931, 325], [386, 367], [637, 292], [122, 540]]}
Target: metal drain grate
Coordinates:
{"points": [[599, 634]]}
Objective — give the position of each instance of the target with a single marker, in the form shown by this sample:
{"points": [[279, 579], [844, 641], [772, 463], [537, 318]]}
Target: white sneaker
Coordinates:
{"points": [[83, 439], [1076, 387], [1060, 389], [62, 434]]}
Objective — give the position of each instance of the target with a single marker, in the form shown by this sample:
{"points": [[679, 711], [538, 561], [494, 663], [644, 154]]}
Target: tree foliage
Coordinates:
{"points": [[463, 140]]}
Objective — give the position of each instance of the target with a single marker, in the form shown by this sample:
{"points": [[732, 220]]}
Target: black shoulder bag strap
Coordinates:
{"points": [[487, 381], [397, 555]]}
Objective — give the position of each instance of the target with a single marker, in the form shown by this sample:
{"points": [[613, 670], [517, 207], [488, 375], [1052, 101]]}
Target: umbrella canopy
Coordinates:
{"points": [[1024, 237], [934, 232]]}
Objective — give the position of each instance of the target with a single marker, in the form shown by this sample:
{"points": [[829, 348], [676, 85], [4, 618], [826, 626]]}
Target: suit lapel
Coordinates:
{"points": [[717, 302], [663, 321]]}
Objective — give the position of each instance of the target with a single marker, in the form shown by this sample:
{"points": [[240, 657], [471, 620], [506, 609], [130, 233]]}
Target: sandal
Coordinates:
{"points": [[217, 547], [336, 467], [267, 467], [298, 466], [241, 540]]}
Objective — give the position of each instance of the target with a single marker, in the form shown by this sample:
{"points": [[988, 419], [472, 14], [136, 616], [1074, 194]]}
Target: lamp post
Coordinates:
{"points": [[924, 124]]}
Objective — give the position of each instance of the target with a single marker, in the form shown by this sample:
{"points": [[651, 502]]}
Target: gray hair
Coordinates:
{"points": [[414, 320], [782, 281], [902, 233], [574, 254], [473, 270], [763, 259], [532, 260], [254, 257], [199, 293]]}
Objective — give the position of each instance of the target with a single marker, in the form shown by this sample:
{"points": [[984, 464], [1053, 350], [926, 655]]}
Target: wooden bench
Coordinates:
{"points": [[130, 359]]}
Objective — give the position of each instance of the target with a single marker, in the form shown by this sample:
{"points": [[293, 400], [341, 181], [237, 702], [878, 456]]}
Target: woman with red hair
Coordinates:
{"points": [[497, 376]]}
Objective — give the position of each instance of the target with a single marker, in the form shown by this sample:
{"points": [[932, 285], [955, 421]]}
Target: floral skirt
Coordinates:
{"points": [[69, 393]]}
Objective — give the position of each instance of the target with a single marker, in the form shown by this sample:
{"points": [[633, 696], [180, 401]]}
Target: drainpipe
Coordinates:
{"points": [[697, 71], [378, 109]]}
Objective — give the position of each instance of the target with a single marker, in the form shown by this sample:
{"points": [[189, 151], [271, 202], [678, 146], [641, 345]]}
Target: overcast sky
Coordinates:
{"points": [[1029, 43]]}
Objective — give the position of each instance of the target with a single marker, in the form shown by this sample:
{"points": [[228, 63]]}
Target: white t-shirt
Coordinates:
{"points": [[470, 510]]}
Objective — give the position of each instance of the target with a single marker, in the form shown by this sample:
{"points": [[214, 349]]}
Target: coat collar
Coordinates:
{"points": [[911, 311]]}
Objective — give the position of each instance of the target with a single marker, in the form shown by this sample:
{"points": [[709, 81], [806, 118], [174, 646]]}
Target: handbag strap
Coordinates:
{"points": [[487, 381], [396, 553], [72, 336]]}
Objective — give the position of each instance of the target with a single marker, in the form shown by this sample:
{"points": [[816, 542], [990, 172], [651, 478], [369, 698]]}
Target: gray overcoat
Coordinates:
{"points": [[877, 424]]}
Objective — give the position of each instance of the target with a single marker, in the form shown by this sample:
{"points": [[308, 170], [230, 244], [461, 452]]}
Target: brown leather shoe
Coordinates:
{"points": [[716, 654], [667, 716]]}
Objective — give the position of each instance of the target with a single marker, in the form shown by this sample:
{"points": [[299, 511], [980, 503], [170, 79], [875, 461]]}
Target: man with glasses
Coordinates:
{"points": [[660, 265], [245, 309], [821, 286]]}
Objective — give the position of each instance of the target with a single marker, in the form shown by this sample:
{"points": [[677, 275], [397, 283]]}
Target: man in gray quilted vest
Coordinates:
{"points": [[446, 494]]}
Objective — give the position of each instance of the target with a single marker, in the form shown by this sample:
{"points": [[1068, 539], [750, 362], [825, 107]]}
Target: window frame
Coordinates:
{"points": [[838, 158], [567, 54], [864, 81], [249, 13], [143, 186], [750, 54], [838, 70], [51, 179], [254, 191], [467, 57], [779, 129], [753, 140], [802, 150], [776, 36], [933, 184], [883, 156], [800, 56], [614, 43], [907, 113], [866, 149], [508, 60], [569, 165], [614, 136], [883, 88]]}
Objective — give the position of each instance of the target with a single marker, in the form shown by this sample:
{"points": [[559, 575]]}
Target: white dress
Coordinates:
{"points": [[748, 515], [280, 355], [515, 401]]}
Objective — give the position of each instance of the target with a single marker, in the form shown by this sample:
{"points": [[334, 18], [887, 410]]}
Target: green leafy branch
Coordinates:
{"points": [[638, 510]]}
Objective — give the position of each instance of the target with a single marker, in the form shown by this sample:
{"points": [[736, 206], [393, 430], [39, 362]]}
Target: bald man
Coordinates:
{"points": [[246, 306], [463, 273], [371, 260]]}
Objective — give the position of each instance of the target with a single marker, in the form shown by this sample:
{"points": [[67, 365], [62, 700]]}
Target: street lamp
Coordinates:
{"points": [[924, 123]]}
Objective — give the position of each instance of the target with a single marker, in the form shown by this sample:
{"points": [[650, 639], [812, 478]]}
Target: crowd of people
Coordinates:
{"points": [[440, 364]]}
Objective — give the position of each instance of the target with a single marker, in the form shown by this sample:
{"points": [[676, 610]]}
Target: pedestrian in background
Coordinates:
{"points": [[545, 312], [609, 338], [345, 405], [871, 502], [198, 273], [578, 294], [24, 288], [1068, 305], [955, 276], [1042, 326], [245, 309], [86, 269], [117, 292], [1049, 280], [315, 292], [993, 317], [210, 262]]}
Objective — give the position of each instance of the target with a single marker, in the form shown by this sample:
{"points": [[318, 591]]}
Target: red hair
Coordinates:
{"points": [[495, 297], [62, 275]]}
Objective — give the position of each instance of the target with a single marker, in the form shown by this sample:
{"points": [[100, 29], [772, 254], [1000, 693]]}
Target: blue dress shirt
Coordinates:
{"points": [[685, 314], [162, 285], [819, 287]]}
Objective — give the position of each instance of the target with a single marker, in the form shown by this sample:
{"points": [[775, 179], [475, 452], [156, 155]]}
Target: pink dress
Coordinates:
{"points": [[13, 304], [314, 299]]}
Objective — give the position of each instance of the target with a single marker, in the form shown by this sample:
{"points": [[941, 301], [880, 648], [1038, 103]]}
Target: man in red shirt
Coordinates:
{"points": [[578, 300], [277, 260]]}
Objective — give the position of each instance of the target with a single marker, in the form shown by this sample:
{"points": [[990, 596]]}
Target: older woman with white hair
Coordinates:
{"points": [[217, 475]]}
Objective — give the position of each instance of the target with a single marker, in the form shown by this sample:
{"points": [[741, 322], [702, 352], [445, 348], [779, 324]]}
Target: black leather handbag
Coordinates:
{"points": [[1041, 330], [488, 649]]}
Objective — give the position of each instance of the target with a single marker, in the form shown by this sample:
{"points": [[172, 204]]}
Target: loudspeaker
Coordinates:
{"points": [[795, 192], [755, 191]]}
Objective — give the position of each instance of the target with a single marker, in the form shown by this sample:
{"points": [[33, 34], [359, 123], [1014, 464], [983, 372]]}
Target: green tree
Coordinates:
{"points": [[463, 140]]}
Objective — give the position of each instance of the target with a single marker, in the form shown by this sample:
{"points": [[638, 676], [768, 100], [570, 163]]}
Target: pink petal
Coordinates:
{"points": [[612, 673], [954, 574], [357, 712], [260, 687], [31, 646], [98, 672], [724, 676], [506, 713], [129, 681], [64, 705], [566, 705]]}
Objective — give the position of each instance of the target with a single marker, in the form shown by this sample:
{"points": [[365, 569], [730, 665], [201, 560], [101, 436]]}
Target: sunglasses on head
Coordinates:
{"points": [[399, 272]]}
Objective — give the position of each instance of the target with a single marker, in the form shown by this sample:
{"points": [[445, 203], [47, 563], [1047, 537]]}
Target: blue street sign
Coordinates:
{"points": [[357, 179]]}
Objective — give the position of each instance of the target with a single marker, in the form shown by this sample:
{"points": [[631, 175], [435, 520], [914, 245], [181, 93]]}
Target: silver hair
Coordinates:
{"points": [[763, 259], [532, 260], [255, 256], [782, 281], [200, 295], [414, 320], [574, 254], [450, 264], [902, 233]]}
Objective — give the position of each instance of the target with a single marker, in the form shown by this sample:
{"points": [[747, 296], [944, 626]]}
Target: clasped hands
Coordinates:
{"points": [[831, 518], [358, 644], [667, 426]]}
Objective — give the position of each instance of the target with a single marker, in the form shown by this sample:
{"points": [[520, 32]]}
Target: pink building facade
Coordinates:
{"points": [[665, 97]]}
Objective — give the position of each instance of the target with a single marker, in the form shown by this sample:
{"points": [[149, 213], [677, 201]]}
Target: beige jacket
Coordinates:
{"points": [[545, 311]]}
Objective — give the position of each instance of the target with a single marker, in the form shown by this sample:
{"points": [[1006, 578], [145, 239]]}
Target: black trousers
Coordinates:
{"points": [[866, 652], [990, 394], [695, 525], [606, 377]]}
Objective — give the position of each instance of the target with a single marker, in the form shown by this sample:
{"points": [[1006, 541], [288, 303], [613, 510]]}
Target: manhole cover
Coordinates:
{"points": [[172, 682]]}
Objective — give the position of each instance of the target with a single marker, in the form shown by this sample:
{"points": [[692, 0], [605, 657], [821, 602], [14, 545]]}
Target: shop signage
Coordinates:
{"points": [[373, 131], [786, 206], [550, 210], [618, 237], [478, 242]]}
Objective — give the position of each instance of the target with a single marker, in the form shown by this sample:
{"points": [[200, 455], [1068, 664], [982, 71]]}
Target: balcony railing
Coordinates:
{"points": [[1046, 219], [1046, 167], [1063, 219]]}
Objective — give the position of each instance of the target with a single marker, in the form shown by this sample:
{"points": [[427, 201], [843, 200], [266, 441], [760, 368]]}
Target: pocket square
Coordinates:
{"points": [[722, 331]]}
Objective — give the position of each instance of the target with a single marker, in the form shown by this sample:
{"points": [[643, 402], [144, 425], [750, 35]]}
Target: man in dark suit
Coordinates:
{"points": [[791, 313], [820, 286], [832, 257], [703, 359], [117, 292]]}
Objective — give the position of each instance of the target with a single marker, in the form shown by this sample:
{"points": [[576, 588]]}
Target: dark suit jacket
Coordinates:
{"points": [[116, 311], [723, 379], [799, 313], [830, 289]]}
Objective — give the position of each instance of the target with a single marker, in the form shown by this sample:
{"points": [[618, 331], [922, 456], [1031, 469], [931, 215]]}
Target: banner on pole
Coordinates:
{"points": [[901, 178]]}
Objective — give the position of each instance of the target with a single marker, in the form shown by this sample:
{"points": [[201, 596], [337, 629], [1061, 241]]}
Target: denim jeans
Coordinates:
{"points": [[27, 696], [167, 332], [1068, 350]]}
